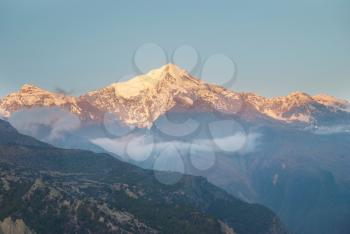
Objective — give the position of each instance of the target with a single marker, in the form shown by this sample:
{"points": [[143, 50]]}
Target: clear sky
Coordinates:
{"points": [[79, 45]]}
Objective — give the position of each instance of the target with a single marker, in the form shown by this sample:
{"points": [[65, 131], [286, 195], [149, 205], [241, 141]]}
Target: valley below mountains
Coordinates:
{"points": [[44, 189]]}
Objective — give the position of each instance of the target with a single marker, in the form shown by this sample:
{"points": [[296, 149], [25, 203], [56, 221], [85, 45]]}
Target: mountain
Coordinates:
{"points": [[30, 96], [333, 102], [287, 153], [142, 100], [301, 107], [50, 190]]}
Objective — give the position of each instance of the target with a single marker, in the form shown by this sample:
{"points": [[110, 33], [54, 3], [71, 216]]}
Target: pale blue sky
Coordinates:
{"points": [[279, 46]]}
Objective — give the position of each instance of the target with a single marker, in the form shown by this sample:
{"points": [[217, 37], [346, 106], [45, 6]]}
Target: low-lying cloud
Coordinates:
{"points": [[57, 120], [143, 147], [327, 130]]}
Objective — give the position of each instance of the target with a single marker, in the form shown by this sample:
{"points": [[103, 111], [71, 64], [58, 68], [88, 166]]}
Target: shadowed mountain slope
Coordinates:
{"points": [[74, 191]]}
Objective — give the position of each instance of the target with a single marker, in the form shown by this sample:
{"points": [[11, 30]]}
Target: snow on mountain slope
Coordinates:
{"points": [[143, 99], [333, 102], [30, 96], [295, 107], [298, 106]]}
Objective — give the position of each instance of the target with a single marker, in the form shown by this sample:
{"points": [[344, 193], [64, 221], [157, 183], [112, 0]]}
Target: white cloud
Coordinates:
{"points": [[59, 121], [275, 179], [3, 114], [143, 147], [325, 130]]}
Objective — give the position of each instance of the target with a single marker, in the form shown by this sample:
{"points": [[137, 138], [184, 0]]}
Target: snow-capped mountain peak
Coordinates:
{"points": [[297, 106], [333, 102], [290, 108], [31, 88], [299, 97], [152, 80], [30, 96], [143, 99]]}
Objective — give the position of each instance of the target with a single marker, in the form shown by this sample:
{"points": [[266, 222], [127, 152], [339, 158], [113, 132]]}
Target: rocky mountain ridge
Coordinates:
{"points": [[142, 100]]}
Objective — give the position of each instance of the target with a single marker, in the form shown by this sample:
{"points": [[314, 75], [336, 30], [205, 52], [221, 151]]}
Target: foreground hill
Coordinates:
{"points": [[50, 190]]}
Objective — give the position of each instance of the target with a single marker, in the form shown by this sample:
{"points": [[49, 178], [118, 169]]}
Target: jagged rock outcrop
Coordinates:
{"points": [[9, 226]]}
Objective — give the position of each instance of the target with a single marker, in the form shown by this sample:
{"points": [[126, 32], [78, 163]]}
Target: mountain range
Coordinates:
{"points": [[289, 153], [142, 100]]}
